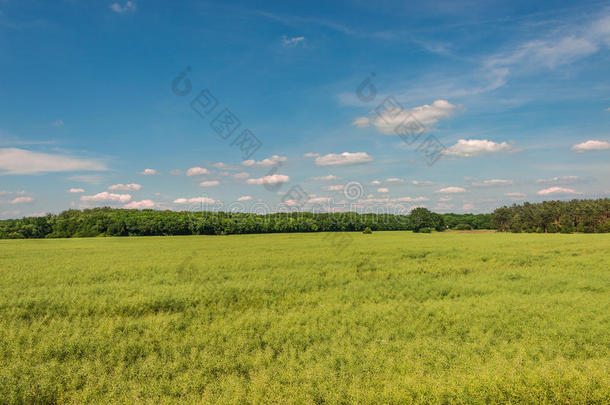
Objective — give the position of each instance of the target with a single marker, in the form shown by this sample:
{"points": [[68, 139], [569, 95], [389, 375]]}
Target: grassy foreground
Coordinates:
{"points": [[392, 317]]}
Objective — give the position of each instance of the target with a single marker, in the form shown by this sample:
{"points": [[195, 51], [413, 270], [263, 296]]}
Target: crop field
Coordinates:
{"points": [[392, 317]]}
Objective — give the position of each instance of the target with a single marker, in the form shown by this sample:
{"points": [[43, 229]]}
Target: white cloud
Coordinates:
{"points": [[423, 183], [361, 122], [426, 115], [125, 187], [272, 179], [451, 190], [337, 187], [318, 200], [272, 161], [203, 200], [557, 190], [290, 42], [591, 145], [244, 198], [20, 200], [21, 161], [476, 147], [560, 180], [468, 206], [311, 155], [76, 190], [128, 6], [394, 180], [383, 190], [410, 199], [493, 182], [241, 175], [345, 158], [149, 172], [197, 171], [375, 182], [515, 195], [140, 205], [445, 199], [224, 166], [330, 177], [106, 197], [210, 183]]}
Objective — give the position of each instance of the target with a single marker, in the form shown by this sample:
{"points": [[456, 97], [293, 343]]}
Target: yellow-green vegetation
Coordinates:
{"points": [[392, 317]]}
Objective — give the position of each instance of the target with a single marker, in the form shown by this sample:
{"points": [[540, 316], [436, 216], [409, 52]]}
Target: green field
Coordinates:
{"points": [[392, 317]]}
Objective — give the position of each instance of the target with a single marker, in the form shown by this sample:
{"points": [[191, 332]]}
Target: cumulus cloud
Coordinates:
{"points": [[476, 147], [244, 198], [125, 187], [197, 171], [20, 200], [21, 161], [203, 200], [330, 177], [394, 180], [493, 182], [126, 7], [591, 145], [210, 183], [106, 197], [451, 190], [272, 179], [148, 172], [241, 175], [422, 117], [140, 205], [76, 190], [272, 161], [557, 190], [375, 182], [345, 158], [383, 190]]}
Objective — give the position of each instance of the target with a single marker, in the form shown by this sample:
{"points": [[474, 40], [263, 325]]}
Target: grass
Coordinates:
{"points": [[392, 317]]}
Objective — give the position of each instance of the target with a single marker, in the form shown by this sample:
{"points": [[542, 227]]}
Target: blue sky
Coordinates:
{"points": [[506, 101]]}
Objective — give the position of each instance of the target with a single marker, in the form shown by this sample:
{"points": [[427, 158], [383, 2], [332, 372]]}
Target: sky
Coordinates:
{"points": [[457, 106]]}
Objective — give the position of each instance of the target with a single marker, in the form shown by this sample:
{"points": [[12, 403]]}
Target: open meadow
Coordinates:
{"points": [[392, 317]]}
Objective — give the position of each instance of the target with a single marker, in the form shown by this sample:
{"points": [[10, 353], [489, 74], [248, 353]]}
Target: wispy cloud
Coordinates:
{"points": [[128, 6], [21, 161]]}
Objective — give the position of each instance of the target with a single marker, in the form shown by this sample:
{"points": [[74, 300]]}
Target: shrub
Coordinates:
{"points": [[367, 231], [463, 227], [424, 230]]}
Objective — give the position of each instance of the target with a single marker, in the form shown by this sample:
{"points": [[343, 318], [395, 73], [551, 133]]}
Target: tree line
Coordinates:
{"points": [[124, 222], [586, 216]]}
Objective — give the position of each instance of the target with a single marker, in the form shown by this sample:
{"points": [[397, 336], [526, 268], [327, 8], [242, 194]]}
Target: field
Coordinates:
{"points": [[393, 317]]}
